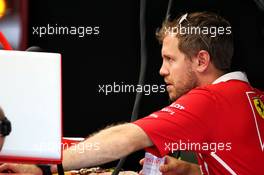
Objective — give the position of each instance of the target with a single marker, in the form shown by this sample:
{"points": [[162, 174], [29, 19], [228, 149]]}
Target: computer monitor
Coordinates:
{"points": [[30, 95]]}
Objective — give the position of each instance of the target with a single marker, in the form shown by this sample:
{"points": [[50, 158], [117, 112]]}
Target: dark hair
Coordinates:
{"points": [[198, 36]]}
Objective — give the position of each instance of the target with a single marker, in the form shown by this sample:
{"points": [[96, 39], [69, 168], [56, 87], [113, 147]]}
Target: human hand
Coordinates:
{"points": [[173, 166], [20, 168]]}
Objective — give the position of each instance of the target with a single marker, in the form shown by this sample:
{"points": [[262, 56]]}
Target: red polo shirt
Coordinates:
{"points": [[223, 123]]}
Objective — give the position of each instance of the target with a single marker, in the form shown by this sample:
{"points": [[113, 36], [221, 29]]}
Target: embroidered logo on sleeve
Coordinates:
{"points": [[259, 106], [167, 109], [177, 106]]}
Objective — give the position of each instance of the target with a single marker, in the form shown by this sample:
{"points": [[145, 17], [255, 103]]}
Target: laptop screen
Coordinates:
{"points": [[30, 95]]}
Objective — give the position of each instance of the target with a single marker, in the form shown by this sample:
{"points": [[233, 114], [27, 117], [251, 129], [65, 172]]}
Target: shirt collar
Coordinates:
{"points": [[232, 76]]}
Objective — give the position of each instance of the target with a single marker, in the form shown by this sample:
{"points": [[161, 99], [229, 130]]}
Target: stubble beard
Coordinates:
{"points": [[188, 84]]}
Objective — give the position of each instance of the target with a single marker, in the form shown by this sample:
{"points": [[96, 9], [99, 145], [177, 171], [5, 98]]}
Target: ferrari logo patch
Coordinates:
{"points": [[259, 105], [256, 101]]}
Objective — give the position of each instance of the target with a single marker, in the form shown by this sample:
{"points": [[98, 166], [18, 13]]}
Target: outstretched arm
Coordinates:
{"points": [[113, 143]]}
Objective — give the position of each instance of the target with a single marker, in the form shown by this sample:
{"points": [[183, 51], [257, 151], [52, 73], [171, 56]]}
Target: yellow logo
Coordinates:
{"points": [[259, 105], [2, 8]]}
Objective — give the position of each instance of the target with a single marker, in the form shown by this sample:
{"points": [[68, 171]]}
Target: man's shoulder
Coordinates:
{"points": [[228, 86]]}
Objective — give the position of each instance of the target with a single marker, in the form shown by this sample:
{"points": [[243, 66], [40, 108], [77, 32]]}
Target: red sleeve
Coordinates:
{"points": [[185, 121]]}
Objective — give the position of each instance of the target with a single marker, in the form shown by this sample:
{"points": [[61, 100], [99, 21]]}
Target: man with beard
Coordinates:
{"points": [[215, 112]]}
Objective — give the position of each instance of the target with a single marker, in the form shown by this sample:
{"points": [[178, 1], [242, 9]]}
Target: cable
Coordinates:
{"points": [[168, 10], [60, 169], [260, 4], [142, 74], [143, 60]]}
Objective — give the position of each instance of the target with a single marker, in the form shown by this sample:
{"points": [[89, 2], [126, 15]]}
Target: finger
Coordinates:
{"points": [[164, 168], [169, 159], [140, 172], [141, 162], [169, 165], [4, 167]]}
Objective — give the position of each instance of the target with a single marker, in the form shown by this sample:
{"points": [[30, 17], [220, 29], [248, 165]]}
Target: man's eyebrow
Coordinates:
{"points": [[166, 56]]}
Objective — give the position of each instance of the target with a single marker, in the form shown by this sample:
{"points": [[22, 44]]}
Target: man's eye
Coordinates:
{"points": [[170, 59], [167, 58]]}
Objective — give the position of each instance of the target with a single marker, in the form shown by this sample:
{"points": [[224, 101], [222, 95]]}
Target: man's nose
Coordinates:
{"points": [[163, 70]]}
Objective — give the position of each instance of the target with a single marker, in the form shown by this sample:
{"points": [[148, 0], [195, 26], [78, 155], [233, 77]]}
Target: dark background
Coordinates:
{"points": [[114, 54]]}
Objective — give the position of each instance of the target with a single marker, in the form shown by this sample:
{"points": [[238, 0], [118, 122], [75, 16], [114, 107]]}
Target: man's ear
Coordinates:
{"points": [[202, 60]]}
